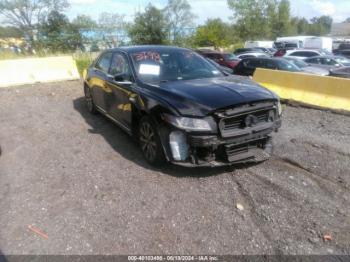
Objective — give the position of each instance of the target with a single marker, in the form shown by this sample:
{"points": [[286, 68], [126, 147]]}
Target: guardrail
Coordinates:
{"points": [[34, 70], [319, 91]]}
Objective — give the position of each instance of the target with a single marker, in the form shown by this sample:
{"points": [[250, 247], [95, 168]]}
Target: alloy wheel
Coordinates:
{"points": [[148, 141], [88, 99]]}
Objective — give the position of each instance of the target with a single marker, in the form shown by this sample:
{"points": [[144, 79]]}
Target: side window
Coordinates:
{"points": [[314, 61], [104, 62], [328, 61], [252, 63], [309, 54], [296, 54], [119, 65], [269, 64]]}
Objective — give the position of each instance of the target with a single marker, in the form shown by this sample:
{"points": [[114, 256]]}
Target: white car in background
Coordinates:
{"points": [[306, 53]]}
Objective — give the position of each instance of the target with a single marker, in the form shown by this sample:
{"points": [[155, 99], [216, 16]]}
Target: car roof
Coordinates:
{"points": [[260, 58], [303, 50], [140, 48], [327, 56]]}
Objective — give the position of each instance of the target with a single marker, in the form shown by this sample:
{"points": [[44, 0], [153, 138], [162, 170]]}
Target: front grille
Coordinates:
{"points": [[249, 150], [244, 120]]}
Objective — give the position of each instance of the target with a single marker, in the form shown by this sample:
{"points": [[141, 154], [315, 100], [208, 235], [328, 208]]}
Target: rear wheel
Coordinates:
{"points": [[150, 142], [89, 100]]}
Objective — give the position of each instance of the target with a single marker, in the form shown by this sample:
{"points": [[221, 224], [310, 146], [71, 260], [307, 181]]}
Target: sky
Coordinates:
{"points": [[204, 9]]}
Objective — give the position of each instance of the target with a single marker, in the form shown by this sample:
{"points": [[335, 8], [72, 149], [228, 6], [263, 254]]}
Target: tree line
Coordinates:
{"points": [[45, 26]]}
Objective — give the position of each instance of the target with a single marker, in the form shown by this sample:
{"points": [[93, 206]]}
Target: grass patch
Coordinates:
{"points": [[83, 61]]}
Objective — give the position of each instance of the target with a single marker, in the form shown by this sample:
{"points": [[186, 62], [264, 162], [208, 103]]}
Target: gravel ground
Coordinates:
{"points": [[83, 182]]}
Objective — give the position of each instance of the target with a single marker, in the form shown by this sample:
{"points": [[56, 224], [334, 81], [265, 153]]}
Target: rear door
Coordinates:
{"points": [[251, 65], [98, 81]]}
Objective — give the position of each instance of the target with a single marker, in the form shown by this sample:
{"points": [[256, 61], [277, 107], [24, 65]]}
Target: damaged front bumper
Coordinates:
{"points": [[248, 146]]}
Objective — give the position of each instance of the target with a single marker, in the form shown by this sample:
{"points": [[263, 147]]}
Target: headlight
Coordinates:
{"points": [[279, 108], [191, 124]]}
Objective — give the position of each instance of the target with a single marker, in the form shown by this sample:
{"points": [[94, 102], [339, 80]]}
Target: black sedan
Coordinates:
{"points": [[248, 66], [181, 108]]}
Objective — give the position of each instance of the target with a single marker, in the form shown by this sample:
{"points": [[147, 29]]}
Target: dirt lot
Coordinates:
{"points": [[83, 182]]}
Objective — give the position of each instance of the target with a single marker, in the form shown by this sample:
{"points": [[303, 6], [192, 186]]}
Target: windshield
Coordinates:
{"points": [[285, 65], [156, 66], [342, 60]]}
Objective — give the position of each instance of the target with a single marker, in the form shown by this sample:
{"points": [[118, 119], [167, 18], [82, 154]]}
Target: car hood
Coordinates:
{"points": [[316, 70], [200, 97]]}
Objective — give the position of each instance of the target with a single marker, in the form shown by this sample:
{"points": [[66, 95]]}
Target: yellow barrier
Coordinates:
{"points": [[33, 70], [321, 91]]}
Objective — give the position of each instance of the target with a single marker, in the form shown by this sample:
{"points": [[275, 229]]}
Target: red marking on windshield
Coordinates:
{"points": [[147, 56]]}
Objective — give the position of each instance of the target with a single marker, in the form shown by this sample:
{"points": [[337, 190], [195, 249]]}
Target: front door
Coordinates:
{"points": [[119, 106]]}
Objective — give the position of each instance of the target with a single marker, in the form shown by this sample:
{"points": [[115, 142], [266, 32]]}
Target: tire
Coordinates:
{"points": [[150, 143], [89, 101]]}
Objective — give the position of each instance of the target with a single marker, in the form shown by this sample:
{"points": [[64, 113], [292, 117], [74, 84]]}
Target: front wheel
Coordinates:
{"points": [[89, 100], [150, 143]]}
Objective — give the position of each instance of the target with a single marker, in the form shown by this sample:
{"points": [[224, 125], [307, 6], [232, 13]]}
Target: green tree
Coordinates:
{"points": [[179, 17], [282, 23], [86, 26], [320, 25], [10, 31], [26, 15], [112, 27], [149, 27], [251, 18], [302, 26], [84, 22], [57, 34], [214, 33]]}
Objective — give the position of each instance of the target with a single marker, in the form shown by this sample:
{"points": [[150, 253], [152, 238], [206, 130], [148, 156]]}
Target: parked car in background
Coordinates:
{"points": [[342, 52], [246, 50], [225, 59], [329, 62], [224, 69], [252, 54], [254, 44], [285, 46], [306, 53], [248, 66], [268, 51], [321, 43], [307, 68], [343, 72], [292, 41], [181, 108], [344, 46]]}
